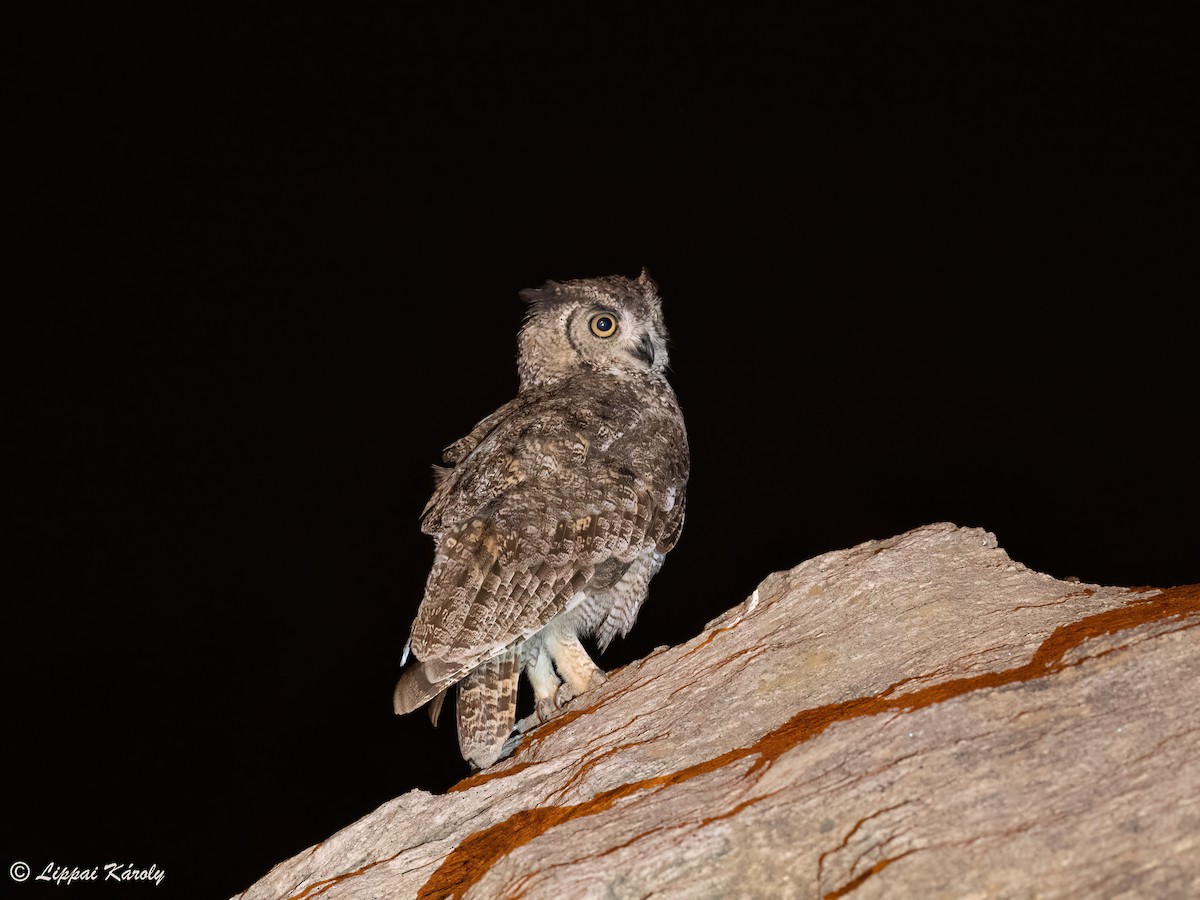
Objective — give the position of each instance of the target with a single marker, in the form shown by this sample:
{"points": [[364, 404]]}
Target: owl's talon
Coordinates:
{"points": [[565, 695], [545, 708]]}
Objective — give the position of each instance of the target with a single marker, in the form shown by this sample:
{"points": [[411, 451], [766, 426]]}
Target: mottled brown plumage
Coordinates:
{"points": [[554, 514]]}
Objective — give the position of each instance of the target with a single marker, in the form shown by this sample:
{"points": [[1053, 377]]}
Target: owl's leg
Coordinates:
{"points": [[573, 664], [540, 670]]}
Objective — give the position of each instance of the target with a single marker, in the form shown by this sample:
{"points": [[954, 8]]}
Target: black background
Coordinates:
{"points": [[918, 266]]}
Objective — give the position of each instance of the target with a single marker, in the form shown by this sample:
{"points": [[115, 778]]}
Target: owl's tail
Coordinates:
{"points": [[487, 708], [422, 682]]}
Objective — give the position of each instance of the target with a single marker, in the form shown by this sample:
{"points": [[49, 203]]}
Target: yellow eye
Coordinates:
{"points": [[603, 325]]}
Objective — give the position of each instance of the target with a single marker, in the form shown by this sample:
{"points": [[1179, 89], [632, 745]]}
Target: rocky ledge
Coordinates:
{"points": [[914, 717]]}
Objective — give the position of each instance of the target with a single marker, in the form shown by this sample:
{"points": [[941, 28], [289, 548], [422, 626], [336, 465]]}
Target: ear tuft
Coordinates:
{"points": [[543, 296]]}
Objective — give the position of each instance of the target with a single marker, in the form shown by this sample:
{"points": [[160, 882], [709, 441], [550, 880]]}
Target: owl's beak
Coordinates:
{"points": [[645, 350]]}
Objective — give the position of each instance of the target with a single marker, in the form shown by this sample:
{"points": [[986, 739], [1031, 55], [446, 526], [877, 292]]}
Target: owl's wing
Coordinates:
{"points": [[522, 526], [478, 480], [464, 445]]}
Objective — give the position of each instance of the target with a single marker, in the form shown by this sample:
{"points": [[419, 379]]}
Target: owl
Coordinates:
{"points": [[552, 515]]}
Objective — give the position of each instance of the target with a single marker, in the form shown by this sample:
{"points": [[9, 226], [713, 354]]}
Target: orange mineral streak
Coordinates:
{"points": [[483, 777], [317, 888], [853, 831], [854, 883], [471, 859]]}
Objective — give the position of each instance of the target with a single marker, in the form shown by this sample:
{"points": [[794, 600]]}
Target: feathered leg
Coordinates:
{"points": [[572, 662], [487, 708], [540, 671]]}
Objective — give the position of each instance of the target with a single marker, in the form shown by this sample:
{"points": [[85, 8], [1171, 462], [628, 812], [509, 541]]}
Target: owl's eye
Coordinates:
{"points": [[603, 325]]}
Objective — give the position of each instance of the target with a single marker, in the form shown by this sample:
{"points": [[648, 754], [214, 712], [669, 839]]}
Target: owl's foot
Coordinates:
{"points": [[546, 707], [542, 712], [574, 665], [567, 693], [545, 688]]}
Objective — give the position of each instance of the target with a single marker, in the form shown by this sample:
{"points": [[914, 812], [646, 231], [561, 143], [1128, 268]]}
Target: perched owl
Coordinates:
{"points": [[555, 513]]}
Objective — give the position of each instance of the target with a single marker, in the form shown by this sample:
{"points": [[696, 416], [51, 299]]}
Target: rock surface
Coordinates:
{"points": [[918, 717]]}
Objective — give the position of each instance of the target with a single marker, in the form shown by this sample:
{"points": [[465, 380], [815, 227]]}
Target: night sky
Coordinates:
{"points": [[916, 266]]}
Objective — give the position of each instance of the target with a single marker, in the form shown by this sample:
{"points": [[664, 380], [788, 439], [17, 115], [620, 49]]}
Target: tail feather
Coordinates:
{"points": [[487, 708], [435, 707], [420, 683]]}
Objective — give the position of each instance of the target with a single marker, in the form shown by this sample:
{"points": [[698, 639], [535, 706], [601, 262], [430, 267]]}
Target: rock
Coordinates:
{"points": [[914, 717]]}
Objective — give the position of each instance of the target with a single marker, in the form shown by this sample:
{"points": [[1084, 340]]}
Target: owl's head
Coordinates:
{"points": [[612, 325]]}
